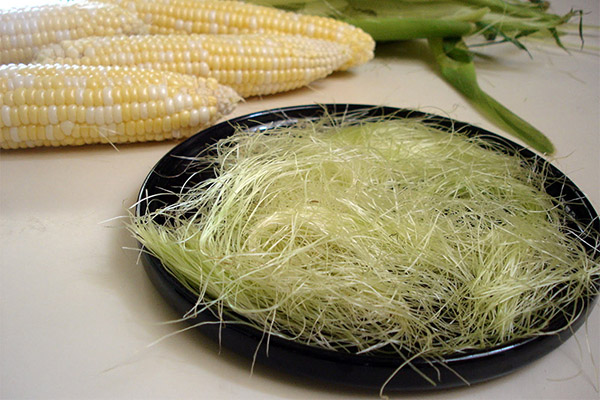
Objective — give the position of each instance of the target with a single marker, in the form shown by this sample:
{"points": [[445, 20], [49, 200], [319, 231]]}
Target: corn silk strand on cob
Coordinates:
{"points": [[54, 105], [25, 29], [254, 64], [235, 17]]}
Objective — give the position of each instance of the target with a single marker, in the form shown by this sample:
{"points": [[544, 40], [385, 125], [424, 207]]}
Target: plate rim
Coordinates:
{"points": [[525, 350]]}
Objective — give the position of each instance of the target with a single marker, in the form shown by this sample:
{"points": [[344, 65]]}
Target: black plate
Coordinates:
{"points": [[368, 371]]}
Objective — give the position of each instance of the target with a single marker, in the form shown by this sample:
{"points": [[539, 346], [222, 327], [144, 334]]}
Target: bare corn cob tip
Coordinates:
{"points": [[25, 29], [236, 17], [254, 64], [54, 105]]}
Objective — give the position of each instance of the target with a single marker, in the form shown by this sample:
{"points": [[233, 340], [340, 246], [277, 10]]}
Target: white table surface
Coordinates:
{"points": [[78, 314]]}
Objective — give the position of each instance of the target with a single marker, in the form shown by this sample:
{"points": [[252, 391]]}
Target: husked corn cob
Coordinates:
{"points": [[25, 29], [236, 17], [53, 105], [254, 64]]}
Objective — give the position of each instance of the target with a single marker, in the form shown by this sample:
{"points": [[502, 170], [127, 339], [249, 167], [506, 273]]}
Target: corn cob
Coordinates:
{"points": [[25, 29], [236, 17], [250, 64], [53, 105]]}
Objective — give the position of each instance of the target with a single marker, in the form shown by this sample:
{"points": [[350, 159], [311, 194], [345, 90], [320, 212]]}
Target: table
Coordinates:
{"points": [[80, 319]]}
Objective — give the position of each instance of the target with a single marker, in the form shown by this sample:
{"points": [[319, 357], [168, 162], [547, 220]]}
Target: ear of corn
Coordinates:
{"points": [[254, 64], [53, 105], [235, 17], [25, 29]]}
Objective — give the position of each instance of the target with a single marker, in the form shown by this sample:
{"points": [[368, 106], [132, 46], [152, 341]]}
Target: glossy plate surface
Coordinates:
{"points": [[368, 371]]}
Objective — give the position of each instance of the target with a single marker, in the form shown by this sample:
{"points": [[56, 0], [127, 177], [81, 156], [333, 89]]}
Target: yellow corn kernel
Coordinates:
{"points": [[25, 29], [61, 119], [237, 17], [251, 64]]}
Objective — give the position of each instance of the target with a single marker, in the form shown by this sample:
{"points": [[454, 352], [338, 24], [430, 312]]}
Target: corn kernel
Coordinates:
{"points": [[226, 58], [26, 29], [66, 112]]}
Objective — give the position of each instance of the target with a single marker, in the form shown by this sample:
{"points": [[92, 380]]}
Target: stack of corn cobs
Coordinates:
{"points": [[140, 70], [116, 71]]}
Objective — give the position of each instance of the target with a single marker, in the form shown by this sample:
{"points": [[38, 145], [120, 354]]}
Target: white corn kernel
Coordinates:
{"points": [[58, 110]]}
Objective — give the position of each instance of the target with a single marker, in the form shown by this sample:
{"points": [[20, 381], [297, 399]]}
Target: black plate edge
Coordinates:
{"points": [[359, 370]]}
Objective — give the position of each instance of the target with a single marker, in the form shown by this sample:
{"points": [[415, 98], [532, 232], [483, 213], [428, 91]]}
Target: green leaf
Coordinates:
{"points": [[395, 28], [459, 70]]}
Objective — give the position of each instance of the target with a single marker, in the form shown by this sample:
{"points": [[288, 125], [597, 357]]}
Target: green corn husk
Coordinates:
{"points": [[456, 65], [423, 19], [445, 23]]}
